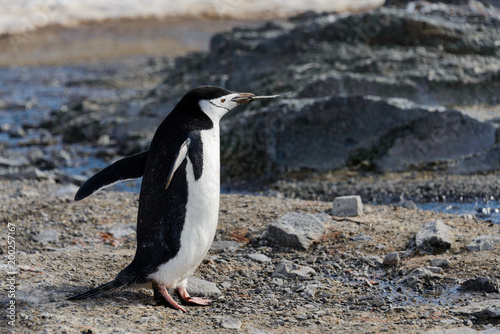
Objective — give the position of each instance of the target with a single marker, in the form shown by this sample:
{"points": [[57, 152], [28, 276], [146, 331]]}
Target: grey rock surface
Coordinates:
{"points": [[230, 323], [442, 263], [347, 206], [257, 257], [47, 235], [483, 242], [198, 287], [373, 260], [225, 246], [481, 284], [488, 309], [297, 229], [392, 259], [422, 277], [434, 237], [408, 204]]}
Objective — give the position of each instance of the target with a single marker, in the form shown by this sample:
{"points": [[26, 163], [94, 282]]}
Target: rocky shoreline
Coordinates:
{"points": [[368, 273], [397, 106]]}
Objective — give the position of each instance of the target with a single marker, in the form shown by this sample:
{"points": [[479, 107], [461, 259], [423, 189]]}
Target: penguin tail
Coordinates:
{"points": [[107, 287]]}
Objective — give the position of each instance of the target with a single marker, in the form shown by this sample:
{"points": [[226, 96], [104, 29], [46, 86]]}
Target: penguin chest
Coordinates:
{"points": [[202, 207], [202, 210]]}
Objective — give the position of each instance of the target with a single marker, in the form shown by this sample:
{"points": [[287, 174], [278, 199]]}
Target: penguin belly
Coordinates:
{"points": [[202, 212]]}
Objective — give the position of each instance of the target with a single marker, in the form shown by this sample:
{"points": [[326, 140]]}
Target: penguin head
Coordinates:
{"points": [[215, 102]]}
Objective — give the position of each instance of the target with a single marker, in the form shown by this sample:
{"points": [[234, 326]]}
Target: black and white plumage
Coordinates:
{"points": [[179, 198]]}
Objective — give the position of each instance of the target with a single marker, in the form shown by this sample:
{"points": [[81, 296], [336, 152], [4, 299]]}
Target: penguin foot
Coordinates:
{"points": [[187, 299], [162, 297]]}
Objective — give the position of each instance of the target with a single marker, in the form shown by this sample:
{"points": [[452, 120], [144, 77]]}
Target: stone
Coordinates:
{"points": [[373, 260], [282, 269], [435, 270], [277, 282], [301, 272], [456, 330], [488, 309], [198, 287], [392, 259], [230, 323], [484, 161], [481, 284], [48, 235], [122, 231], [17, 162], [421, 276], [287, 269], [17, 132], [261, 258], [408, 205], [434, 237], [298, 230], [347, 206], [442, 263], [225, 246], [483, 242]]}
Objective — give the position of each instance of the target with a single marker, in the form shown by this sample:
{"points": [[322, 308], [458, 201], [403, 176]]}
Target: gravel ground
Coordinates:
{"points": [[65, 247]]}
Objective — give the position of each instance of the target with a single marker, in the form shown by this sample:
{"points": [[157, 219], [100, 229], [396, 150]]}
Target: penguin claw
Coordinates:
{"points": [[197, 301], [187, 299], [162, 297]]}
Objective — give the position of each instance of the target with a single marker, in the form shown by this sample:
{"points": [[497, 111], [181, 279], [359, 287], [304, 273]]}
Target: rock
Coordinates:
{"points": [[225, 246], [347, 206], [481, 284], [373, 260], [435, 270], [483, 242], [48, 235], [488, 309], [456, 330], [361, 237], [122, 231], [408, 205], [483, 161], [63, 177], [298, 230], [199, 287], [434, 237], [17, 162], [301, 272], [261, 258], [422, 276], [17, 131], [289, 269], [442, 263], [282, 269], [277, 282], [392, 259], [230, 323]]}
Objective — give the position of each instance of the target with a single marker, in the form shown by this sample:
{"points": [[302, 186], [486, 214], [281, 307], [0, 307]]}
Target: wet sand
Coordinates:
{"points": [[111, 41]]}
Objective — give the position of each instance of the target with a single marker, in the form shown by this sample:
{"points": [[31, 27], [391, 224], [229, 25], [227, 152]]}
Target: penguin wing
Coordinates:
{"points": [[125, 169], [181, 155]]}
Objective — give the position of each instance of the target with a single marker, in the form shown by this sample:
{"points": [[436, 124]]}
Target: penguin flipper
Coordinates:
{"points": [[181, 155], [107, 287], [128, 168]]}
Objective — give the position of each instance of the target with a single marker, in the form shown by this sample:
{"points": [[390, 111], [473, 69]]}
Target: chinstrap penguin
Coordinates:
{"points": [[179, 197]]}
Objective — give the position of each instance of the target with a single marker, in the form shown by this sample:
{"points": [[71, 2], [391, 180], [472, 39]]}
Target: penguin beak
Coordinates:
{"points": [[243, 98]]}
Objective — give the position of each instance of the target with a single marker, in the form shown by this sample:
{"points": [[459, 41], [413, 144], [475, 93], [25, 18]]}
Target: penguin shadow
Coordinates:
{"points": [[141, 296]]}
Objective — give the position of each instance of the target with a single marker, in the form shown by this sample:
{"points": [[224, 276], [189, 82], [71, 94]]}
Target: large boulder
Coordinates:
{"points": [[329, 133]]}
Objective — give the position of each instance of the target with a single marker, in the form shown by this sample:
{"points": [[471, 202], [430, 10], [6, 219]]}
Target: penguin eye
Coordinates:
{"points": [[223, 100]]}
